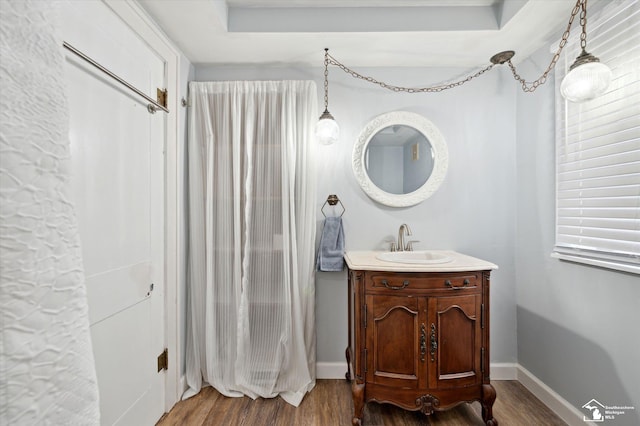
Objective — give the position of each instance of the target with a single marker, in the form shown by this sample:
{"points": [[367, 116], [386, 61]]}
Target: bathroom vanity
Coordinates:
{"points": [[419, 331]]}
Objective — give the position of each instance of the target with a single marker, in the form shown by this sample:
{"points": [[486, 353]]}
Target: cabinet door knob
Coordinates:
{"points": [[434, 342], [423, 342], [393, 287]]}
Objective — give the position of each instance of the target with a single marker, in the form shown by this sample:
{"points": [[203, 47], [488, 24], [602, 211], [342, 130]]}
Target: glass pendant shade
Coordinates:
{"points": [[585, 81], [327, 129]]}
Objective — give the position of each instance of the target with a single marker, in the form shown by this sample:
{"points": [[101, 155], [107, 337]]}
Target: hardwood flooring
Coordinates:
{"points": [[329, 404]]}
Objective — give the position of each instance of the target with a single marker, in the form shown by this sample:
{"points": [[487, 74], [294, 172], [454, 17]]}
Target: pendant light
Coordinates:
{"points": [[587, 77], [327, 129]]}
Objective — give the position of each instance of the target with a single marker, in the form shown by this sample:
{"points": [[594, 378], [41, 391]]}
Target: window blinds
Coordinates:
{"points": [[598, 149]]}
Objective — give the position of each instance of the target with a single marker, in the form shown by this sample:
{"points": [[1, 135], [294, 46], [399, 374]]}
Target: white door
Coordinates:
{"points": [[117, 181]]}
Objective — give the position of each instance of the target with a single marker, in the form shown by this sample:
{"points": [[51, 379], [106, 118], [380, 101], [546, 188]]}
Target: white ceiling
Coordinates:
{"points": [[451, 33]]}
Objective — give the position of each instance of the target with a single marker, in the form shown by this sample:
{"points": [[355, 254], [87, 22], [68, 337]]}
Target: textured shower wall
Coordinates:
{"points": [[47, 373]]}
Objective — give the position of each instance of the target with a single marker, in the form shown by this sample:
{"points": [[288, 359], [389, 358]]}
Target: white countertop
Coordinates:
{"points": [[367, 261]]}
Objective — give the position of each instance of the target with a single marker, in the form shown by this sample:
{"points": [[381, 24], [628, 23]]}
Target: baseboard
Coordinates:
{"points": [[567, 412], [331, 370], [337, 370], [504, 371]]}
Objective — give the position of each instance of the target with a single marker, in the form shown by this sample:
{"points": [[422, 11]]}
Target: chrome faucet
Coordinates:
{"points": [[401, 232]]}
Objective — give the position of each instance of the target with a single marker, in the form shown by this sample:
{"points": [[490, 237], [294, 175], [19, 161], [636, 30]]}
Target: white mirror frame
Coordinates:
{"points": [[440, 158]]}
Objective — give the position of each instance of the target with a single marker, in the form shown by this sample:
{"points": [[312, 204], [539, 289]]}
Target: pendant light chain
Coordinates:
{"points": [[583, 23], [498, 59], [333, 61], [326, 80], [581, 6], [577, 86]]}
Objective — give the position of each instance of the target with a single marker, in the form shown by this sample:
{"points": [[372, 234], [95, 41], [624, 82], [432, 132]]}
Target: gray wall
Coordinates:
{"points": [[473, 211], [577, 324]]}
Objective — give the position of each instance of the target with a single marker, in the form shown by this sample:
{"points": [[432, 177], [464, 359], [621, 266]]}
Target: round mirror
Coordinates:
{"points": [[400, 159]]}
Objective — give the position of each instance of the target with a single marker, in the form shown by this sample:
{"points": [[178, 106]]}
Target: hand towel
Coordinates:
{"points": [[331, 251]]}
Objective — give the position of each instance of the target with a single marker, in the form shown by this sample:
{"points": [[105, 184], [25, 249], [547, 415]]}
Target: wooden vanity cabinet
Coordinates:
{"points": [[419, 340]]}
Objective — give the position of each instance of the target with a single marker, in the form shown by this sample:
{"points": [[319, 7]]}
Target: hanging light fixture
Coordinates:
{"points": [[327, 129], [587, 77]]}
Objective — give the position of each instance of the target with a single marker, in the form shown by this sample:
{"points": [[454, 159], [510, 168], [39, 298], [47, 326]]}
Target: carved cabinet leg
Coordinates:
{"points": [[357, 389], [488, 398]]}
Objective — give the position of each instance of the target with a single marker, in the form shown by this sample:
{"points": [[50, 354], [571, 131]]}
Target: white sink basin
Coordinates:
{"points": [[423, 257], [415, 261]]}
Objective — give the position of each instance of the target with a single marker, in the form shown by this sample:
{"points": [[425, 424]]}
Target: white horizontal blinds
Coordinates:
{"points": [[598, 145]]}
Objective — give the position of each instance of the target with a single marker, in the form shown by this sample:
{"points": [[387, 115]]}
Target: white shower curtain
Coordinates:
{"points": [[47, 368], [251, 290]]}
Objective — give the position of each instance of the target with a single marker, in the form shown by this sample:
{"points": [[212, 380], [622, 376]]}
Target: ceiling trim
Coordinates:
{"points": [[228, 32], [365, 19]]}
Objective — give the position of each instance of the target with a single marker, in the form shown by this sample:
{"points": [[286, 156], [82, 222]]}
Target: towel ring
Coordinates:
{"points": [[332, 200]]}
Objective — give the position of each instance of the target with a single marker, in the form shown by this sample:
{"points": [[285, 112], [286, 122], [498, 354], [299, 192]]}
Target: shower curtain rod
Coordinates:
{"points": [[153, 105]]}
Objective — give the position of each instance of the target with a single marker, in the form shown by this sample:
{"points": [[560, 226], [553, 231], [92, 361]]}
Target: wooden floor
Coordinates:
{"points": [[329, 404]]}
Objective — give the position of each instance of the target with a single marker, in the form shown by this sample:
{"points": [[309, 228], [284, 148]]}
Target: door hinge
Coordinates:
{"points": [[482, 315], [161, 97], [163, 360], [365, 316], [482, 360], [365, 359]]}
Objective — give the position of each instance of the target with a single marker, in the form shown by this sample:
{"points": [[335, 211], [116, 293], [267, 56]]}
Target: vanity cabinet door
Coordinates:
{"points": [[455, 341], [393, 341]]}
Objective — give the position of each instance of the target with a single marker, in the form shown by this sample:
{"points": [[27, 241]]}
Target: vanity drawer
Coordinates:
{"points": [[380, 281]]}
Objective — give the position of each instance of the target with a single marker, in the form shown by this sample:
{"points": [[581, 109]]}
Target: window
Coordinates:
{"points": [[598, 148]]}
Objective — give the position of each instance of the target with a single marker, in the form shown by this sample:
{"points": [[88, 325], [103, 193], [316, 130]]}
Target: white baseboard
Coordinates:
{"points": [[567, 412], [504, 371], [331, 370]]}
